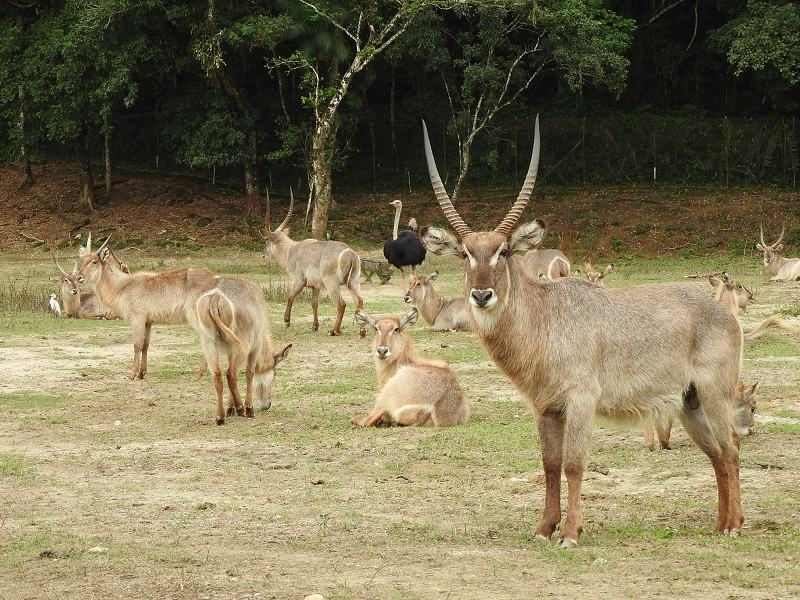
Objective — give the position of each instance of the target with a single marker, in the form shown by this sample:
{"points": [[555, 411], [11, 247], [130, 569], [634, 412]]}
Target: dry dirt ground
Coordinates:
{"points": [[111, 488]]}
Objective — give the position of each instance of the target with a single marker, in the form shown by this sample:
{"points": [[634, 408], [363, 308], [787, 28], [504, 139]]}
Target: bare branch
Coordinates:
{"points": [[333, 21], [664, 10]]}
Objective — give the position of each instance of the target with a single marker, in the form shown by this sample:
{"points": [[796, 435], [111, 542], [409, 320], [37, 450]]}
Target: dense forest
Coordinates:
{"points": [[324, 93]]}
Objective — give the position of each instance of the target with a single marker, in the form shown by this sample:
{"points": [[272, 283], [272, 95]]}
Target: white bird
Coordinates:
{"points": [[55, 307]]}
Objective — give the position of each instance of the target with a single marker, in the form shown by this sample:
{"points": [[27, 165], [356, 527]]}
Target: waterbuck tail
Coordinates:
{"points": [[771, 322], [224, 331]]}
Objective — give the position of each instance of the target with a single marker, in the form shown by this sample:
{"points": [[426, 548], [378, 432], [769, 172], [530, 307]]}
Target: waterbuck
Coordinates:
{"points": [[77, 304], [232, 318], [442, 314], [413, 391], [546, 264], [596, 276], [575, 349], [143, 298], [315, 264], [777, 267]]}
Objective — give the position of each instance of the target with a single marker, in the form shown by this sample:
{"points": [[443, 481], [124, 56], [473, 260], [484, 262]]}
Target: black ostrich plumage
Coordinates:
{"points": [[406, 251]]}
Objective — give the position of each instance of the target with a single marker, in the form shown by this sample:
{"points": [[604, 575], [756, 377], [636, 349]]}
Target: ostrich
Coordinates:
{"points": [[405, 249]]}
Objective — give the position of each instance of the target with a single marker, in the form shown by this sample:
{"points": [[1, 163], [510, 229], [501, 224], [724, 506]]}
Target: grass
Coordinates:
{"points": [[296, 501]]}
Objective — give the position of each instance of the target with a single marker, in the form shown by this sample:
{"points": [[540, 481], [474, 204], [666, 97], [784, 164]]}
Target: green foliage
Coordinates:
{"points": [[765, 35], [617, 245]]}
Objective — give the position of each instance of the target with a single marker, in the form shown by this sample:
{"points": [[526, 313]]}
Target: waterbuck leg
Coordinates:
{"points": [[297, 287], [664, 429], [336, 298], [235, 401], [551, 436], [202, 367], [354, 286], [139, 333], [371, 420], [248, 394], [315, 308], [578, 421], [145, 347]]}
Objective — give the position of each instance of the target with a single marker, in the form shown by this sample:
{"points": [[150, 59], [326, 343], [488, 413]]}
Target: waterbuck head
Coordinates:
{"points": [[770, 250], [744, 408], [390, 341], [488, 254], [272, 237], [264, 377], [69, 281], [731, 293], [596, 276], [92, 263], [419, 288]]}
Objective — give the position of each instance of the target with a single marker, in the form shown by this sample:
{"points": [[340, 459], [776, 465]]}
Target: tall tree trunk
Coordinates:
{"points": [[86, 178], [23, 142], [466, 148], [392, 123], [253, 195], [281, 92], [374, 158], [107, 154], [321, 166]]}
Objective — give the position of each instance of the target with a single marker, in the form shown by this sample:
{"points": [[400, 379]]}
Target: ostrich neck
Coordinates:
{"points": [[396, 222]]}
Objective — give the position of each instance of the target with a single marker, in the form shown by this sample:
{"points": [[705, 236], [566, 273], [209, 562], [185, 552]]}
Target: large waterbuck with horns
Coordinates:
{"points": [[575, 349], [143, 298], [778, 268], [317, 265]]}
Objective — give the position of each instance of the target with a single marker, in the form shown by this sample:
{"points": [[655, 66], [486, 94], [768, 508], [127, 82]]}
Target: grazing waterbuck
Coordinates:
{"points": [[442, 314], [546, 263], [77, 304], [315, 264], [143, 298], [413, 391], [575, 350], [778, 268], [232, 318]]}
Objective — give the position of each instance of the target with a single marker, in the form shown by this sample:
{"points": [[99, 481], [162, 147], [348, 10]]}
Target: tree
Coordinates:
{"points": [[370, 28], [501, 48], [224, 45]]}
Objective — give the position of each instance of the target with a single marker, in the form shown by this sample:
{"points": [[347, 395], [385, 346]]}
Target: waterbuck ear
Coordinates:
{"points": [[441, 242], [608, 269], [750, 394], [432, 276], [282, 354], [526, 237], [408, 319], [364, 319], [715, 281], [778, 248], [104, 254], [759, 247]]}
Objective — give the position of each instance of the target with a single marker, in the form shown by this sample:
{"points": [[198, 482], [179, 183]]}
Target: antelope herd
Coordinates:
{"points": [[572, 347]]}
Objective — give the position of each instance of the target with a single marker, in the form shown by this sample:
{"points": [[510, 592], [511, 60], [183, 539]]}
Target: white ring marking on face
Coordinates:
{"points": [[472, 262], [496, 256]]}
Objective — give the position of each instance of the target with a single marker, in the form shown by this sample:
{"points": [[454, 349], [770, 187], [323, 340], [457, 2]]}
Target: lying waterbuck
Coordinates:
{"points": [[317, 265], [143, 298], [546, 264], [442, 314], [77, 304], [575, 350], [413, 391], [232, 318], [777, 267], [736, 298], [596, 276]]}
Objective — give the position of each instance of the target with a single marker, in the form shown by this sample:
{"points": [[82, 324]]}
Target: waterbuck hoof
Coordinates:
{"points": [[287, 323], [248, 412], [240, 411], [220, 420], [315, 327], [229, 412], [542, 536], [733, 533], [141, 374], [334, 332], [566, 543], [665, 446], [362, 333]]}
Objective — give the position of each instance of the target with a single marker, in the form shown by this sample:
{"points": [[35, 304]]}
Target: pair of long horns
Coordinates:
{"points": [[285, 222], [778, 241], [512, 216]]}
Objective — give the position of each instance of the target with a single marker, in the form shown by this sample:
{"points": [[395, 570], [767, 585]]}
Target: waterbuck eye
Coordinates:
{"points": [[504, 252], [94, 262], [463, 254]]}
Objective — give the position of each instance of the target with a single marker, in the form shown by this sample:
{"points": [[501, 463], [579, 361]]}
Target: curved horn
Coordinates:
{"points": [[75, 266], [455, 220], [288, 214], [780, 237], [510, 220], [58, 266], [108, 239], [761, 229], [89, 243], [267, 217]]}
